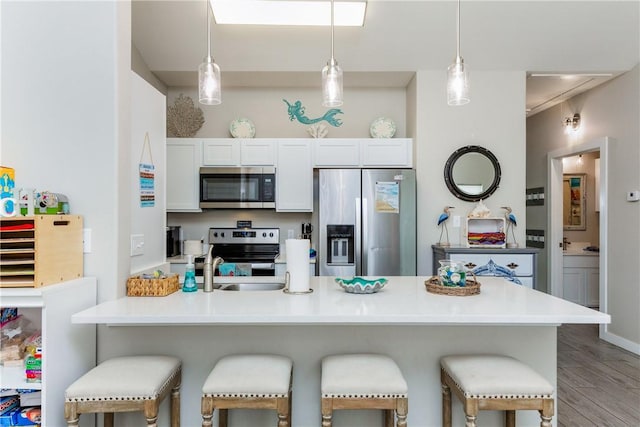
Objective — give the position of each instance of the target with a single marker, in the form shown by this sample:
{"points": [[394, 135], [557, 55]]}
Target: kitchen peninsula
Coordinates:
{"points": [[403, 320]]}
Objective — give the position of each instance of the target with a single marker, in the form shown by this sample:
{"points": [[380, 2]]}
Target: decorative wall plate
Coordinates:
{"points": [[242, 128], [382, 127]]}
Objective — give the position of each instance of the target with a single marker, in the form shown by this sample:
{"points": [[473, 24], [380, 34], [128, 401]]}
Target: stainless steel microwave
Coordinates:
{"points": [[238, 188]]}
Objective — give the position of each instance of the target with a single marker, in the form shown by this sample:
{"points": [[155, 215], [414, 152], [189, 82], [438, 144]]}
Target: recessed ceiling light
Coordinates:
{"points": [[288, 12]]}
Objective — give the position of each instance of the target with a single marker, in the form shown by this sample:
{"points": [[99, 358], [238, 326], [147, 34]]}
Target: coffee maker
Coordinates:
{"points": [[174, 243], [307, 229]]}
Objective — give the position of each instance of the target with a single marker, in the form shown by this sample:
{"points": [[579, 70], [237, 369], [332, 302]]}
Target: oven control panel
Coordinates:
{"points": [[244, 236]]}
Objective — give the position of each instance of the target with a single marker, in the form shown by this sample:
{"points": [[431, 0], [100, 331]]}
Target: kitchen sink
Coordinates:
{"points": [[250, 286]]}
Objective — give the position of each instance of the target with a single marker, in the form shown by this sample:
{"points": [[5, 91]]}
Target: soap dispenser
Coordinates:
{"points": [[190, 284]]}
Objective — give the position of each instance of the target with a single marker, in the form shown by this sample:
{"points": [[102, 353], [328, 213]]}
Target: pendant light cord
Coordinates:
{"points": [[458, 32], [333, 61], [208, 32]]}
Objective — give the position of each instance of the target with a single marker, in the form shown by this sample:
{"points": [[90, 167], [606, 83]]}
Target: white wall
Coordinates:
{"points": [[148, 112], [265, 108], [612, 110], [495, 120], [65, 109]]}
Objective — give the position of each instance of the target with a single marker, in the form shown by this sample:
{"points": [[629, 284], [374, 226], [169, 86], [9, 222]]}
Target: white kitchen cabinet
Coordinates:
{"points": [[393, 152], [220, 152], [581, 279], [336, 152], [69, 350], [258, 152], [516, 264], [294, 176], [184, 158], [234, 152], [363, 152]]}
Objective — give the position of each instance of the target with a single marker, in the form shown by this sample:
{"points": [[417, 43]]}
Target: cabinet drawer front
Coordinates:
{"points": [[520, 264], [581, 261], [336, 153]]}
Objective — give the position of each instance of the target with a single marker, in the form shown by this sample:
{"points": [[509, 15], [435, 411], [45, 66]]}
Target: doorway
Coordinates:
{"points": [[556, 223]]}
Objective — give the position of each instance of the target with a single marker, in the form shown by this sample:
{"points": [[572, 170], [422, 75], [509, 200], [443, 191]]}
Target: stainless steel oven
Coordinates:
{"points": [[237, 188], [255, 247]]}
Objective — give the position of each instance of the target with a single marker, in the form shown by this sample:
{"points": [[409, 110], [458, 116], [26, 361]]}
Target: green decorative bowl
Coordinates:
{"points": [[361, 285]]}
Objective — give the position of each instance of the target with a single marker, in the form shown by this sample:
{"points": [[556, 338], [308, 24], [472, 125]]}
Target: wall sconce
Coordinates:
{"points": [[572, 123]]}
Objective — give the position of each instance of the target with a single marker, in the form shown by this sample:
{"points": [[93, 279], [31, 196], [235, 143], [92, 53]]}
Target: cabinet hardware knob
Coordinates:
{"points": [[470, 265], [512, 266]]}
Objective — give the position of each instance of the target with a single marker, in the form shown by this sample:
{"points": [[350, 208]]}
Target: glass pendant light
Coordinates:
{"points": [[457, 82], [209, 87], [332, 78]]}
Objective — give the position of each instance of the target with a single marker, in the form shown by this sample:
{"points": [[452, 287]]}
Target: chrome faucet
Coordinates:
{"points": [[565, 242], [210, 265]]}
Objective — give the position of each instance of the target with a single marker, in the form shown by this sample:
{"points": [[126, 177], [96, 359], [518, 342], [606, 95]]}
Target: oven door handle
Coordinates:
{"points": [[263, 266]]}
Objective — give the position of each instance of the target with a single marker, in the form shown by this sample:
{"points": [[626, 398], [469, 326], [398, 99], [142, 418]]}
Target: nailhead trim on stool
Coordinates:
{"points": [[363, 381], [494, 382], [125, 384], [258, 381]]}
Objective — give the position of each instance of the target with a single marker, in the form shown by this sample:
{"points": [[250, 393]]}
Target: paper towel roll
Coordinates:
{"points": [[298, 264], [193, 247]]}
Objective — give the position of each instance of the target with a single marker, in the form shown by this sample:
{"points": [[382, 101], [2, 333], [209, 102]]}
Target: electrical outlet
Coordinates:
{"points": [[633, 196], [86, 240], [290, 234], [137, 244]]}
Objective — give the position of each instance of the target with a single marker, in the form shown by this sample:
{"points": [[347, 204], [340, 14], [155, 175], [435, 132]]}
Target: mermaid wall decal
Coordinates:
{"points": [[296, 111]]}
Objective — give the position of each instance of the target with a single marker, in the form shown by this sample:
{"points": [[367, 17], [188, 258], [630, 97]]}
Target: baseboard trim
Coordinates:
{"points": [[624, 343]]}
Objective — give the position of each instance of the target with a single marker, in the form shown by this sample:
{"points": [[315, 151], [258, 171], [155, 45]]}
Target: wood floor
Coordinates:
{"points": [[598, 383]]}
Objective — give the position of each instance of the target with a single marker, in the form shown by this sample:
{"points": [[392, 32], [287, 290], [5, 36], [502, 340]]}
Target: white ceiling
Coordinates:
{"points": [[581, 38]]}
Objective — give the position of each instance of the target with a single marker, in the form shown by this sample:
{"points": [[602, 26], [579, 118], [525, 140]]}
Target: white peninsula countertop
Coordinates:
{"points": [[403, 301], [404, 321]]}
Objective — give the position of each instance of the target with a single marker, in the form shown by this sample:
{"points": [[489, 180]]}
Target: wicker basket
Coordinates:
{"points": [[472, 287], [139, 287]]}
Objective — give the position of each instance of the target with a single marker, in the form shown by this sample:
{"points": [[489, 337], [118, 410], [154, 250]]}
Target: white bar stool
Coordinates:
{"points": [[126, 384], [494, 382], [363, 381], [253, 381]]}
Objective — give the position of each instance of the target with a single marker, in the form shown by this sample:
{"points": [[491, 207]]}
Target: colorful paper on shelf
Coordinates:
{"points": [[8, 203]]}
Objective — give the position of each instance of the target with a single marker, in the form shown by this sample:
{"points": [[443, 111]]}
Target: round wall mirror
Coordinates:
{"points": [[472, 173]]}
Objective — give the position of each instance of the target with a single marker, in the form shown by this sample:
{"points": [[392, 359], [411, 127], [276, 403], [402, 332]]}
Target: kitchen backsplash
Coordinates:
{"points": [[196, 225]]}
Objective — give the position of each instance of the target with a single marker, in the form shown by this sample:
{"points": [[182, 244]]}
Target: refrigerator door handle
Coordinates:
{"points": [[364, 268], [358, 237]]}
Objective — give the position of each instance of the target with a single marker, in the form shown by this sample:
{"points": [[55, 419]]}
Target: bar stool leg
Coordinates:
{"points": [[283, 412], [389, 418], [223, 417], [546, 413], [71, 414], [108, 419], [206, 409], [175, 406], [470, 421], [402, 406], [327, 412], [446, 406], [151, 413], [510, 418]]}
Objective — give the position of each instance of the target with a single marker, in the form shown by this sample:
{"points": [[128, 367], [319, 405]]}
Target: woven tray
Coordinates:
{"points": [[139, 287], [472, 287]]}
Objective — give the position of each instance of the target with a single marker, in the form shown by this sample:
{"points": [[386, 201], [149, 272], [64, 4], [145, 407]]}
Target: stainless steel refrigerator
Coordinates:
{"points": [[367, 222]]}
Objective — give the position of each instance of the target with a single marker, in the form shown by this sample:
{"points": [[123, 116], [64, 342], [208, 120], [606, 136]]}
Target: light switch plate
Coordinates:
{"points": [[456, 221], [86, 240], [137, 244]]}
